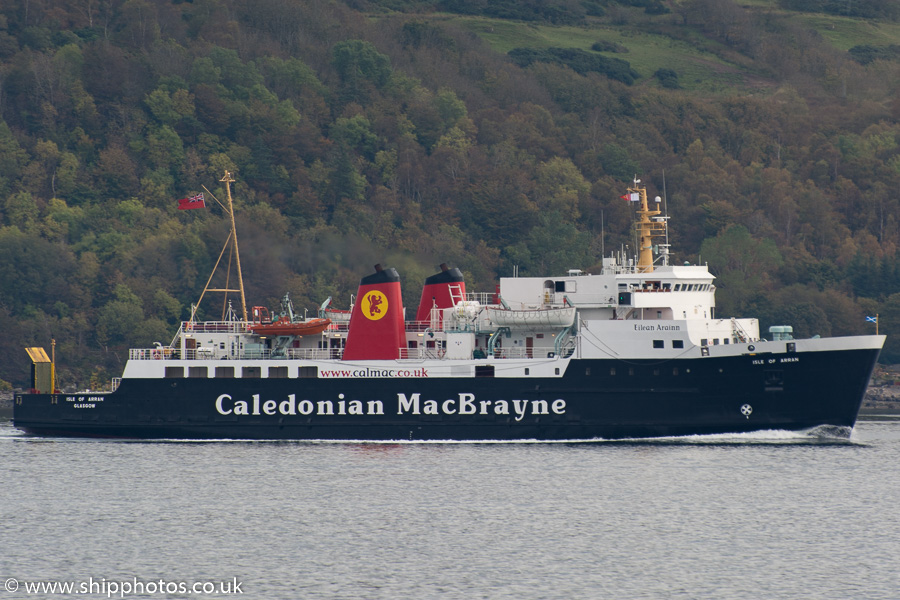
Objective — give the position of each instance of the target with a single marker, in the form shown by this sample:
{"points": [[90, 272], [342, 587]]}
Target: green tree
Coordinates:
{"points": [[561, 188], [21, 211], [345, 182], [616, 162], [117, 318], [164, 147], [743, 265], [355, 133], [557, 245], [12, 156], [34, 272], [359, 65]]}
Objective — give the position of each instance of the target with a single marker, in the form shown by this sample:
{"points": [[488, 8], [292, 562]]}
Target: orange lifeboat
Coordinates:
{"points": [[284, 326], [286, 323]]}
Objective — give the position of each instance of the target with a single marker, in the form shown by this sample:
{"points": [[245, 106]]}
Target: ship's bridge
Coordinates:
{"points": [[670, 291]]}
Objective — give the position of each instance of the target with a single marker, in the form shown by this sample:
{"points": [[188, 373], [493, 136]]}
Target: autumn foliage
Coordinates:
{"points": [[363, 132]]}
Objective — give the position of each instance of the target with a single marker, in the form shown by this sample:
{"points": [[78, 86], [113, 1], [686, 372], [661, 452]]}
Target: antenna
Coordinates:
{"points": [[666, 206], [602, 236]]}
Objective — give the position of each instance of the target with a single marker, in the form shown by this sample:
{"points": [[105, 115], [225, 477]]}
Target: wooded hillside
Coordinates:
{"points": [[488, 135]]}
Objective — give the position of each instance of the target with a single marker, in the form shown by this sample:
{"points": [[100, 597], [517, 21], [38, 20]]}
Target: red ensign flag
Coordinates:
{"points": [[192, 202]]}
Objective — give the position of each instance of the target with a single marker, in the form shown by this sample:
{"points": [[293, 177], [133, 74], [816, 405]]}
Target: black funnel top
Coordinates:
{"points": [[446, 275], [380, 275]]}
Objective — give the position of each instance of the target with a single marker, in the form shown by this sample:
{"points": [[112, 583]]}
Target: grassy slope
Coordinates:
{"points": [[699, 67], [844, 33]]}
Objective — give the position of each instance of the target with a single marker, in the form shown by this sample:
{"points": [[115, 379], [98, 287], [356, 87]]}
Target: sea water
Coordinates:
{"points": [[766, 515]]}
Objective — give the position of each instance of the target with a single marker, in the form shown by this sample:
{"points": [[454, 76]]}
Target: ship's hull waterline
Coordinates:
{"points": [[594, 399]]}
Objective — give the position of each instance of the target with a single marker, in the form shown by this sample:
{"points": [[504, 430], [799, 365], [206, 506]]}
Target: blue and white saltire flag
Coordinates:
{"points": [[871, 319]]}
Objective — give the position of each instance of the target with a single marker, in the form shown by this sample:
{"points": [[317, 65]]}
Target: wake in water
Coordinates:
{"points": [[820, 435]]}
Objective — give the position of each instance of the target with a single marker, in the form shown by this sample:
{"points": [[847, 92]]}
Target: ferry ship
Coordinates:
{"points": [[635, 351]]}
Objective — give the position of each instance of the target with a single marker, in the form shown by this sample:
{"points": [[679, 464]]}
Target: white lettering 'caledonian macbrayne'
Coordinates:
{"points": [[463, 404]]}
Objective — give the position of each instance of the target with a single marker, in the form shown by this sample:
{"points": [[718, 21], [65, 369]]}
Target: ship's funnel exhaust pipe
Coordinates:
{"points": [[442, 290], [377, 331]]}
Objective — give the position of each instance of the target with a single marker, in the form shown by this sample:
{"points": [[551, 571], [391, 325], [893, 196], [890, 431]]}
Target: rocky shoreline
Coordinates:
{"points": [[6, 404], [883, 394]]}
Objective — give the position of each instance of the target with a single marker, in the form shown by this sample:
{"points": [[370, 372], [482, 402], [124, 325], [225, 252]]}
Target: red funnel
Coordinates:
{"points": [[442, 290], [377, 331]]}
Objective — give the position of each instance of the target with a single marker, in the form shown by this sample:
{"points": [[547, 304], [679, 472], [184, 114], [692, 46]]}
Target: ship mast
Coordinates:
{"points": [[228, 179], [646, 228], [230, 244]]}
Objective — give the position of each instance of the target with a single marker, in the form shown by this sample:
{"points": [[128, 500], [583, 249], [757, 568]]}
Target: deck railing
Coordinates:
{"points": [[421, 353]]}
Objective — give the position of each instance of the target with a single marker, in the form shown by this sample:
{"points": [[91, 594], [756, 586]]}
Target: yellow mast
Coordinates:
{"points": [[647, 229], [231, 241], [228, 179]]}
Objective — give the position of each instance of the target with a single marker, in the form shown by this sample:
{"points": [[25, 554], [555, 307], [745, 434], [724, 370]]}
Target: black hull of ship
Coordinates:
{"points": [[602, 399]]}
